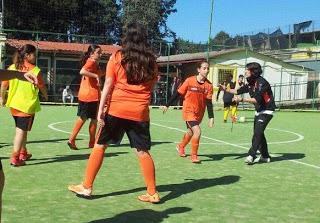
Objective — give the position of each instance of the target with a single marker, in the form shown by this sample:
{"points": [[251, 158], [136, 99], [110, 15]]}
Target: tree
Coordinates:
{"points": [[98, 18], [50, 15], [151, 13], [185, 46], [219, 39], [83, 17]]}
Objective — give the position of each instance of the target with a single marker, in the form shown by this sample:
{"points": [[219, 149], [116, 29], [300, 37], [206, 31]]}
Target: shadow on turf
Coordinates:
{"points": [[287, 156], [279, 157], [143, 215], [38, 141], [49, 140], [128, 144], [177, 190], [73, 157], [4, 144], [217, 157]]}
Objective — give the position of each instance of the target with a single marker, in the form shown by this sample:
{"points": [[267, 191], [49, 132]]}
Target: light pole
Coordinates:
{"points": [[210, 25], [1, 15], [2, 35]]}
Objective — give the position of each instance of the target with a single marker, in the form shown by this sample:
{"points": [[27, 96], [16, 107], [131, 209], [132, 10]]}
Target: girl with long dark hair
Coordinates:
{"points": [[130, 77]]}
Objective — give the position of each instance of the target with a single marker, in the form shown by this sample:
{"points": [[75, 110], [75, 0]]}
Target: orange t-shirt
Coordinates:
{"points": [[195, 95], [128, 101], [89, 90], [26, 67]]}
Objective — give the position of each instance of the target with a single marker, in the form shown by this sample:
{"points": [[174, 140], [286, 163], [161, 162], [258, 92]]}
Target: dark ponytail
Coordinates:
{"points": [[19, 56], [87, 54]]}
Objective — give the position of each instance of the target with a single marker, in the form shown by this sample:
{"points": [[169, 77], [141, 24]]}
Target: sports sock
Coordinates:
{"points": [[195, 145], [148, 171], [93, 166], [225, 113], [185, 140], [234, 111], [76, 129]]}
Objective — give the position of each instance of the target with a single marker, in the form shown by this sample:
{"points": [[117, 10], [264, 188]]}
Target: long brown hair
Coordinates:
{"points": [[137, 57], [87, 54], [19, 56]]}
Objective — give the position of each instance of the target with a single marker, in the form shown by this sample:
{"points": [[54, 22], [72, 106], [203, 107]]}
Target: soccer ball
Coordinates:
{"points": [[242, 119]]}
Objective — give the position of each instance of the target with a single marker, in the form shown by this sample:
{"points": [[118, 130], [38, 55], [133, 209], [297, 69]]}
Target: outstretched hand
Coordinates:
{"points": [[236, 99], [31, 78], [222, 87]]}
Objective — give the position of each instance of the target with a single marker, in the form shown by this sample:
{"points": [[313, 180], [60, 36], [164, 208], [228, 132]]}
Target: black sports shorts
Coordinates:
{"points": [[88, 109], [24, 123], [114, 129]]}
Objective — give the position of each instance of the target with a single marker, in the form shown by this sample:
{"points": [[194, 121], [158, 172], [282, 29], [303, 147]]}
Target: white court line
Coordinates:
{"points": [[242, 147], [300, 137], [51, 126]]}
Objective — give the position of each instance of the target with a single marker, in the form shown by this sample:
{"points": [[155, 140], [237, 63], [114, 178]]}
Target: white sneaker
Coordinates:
{"points": [[80, 190], [249, 160], [264, 160]]}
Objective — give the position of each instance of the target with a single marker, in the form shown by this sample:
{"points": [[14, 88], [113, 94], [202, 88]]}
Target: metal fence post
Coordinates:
{"points": [[167, 80]]}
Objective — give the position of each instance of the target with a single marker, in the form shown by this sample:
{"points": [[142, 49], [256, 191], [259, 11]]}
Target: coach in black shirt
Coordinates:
{"points": [[262, 97]]}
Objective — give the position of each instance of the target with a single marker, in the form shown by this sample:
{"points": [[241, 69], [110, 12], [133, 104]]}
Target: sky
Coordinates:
{"points": [[191, 21]]}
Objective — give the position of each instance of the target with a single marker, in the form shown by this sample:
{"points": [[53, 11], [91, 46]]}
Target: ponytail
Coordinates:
{"points": [[19, 56], [88, 53]]}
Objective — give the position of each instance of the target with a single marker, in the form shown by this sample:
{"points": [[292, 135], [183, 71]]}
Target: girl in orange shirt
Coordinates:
{"points": [[197, 92], [131, 73], [88, 95]]}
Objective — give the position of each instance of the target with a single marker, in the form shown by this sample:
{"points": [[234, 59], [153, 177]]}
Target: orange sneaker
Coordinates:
{"points": [[155, 198], [194, 159], [16, 162], [25, 156], [80, 190], [72, 145], [181, 151]]}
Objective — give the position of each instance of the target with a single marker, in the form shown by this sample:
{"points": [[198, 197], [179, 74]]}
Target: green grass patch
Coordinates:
{"points": [[220, 189]]}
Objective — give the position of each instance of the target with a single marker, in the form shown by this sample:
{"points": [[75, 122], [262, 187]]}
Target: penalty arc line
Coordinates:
{"points": [[51, 126], [238, 146]]}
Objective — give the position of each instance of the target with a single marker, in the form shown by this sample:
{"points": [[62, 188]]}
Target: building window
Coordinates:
{"points": [[223, 73]]}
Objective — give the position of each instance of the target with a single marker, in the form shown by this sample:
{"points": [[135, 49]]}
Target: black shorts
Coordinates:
{"points": [[228, 104], [190, 124], [88, 109], [24, 123], [0, 164], [114, 129]]}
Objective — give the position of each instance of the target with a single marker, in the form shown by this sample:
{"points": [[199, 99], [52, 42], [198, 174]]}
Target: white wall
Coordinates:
{"points": [[272, 72]]}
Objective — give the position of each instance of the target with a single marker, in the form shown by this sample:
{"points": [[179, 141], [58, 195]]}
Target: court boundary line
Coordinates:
{"points": [[238, 146], [300, 137]]}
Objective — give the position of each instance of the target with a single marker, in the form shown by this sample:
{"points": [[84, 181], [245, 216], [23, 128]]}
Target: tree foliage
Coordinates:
{"points": [[87, 17], [219, 39], [83, 17], [151, 13]]}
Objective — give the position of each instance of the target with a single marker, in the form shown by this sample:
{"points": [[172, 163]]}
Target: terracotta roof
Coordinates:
{"points": [[47, 46], [193, 57]]}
